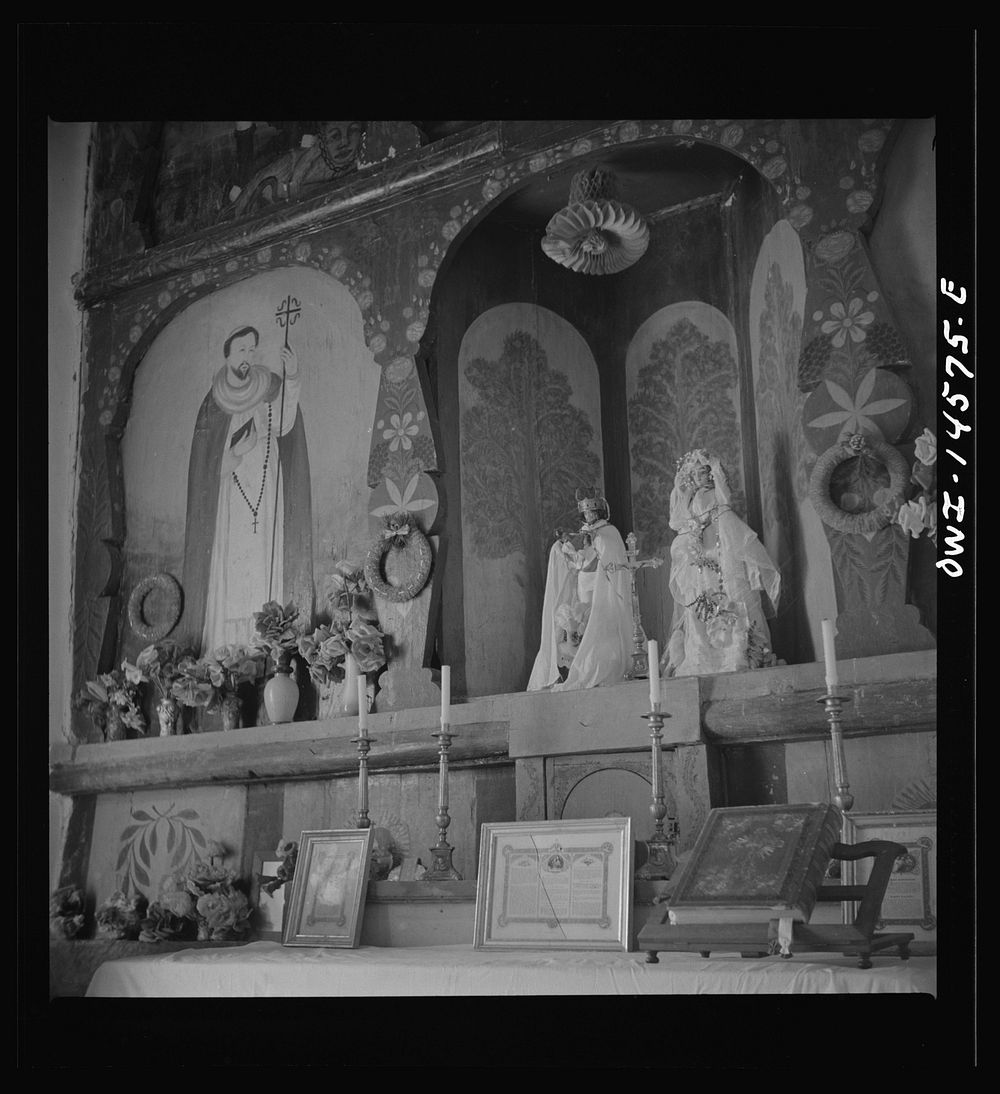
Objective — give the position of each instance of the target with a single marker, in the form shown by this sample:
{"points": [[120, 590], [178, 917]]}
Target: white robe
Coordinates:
{"points": [[243, 574], [605, 651], [720, 556]]}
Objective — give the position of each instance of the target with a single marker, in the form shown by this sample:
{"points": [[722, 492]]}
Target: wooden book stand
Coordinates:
{"points": [[760, 939]]}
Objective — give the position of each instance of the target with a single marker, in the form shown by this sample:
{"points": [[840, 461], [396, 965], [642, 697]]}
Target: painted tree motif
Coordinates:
{"points": [[684, 400], [525, 450]]}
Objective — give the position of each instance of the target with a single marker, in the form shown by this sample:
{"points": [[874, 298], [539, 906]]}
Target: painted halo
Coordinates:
{"points": [[859, 523], [170, 598], [416, 547]]}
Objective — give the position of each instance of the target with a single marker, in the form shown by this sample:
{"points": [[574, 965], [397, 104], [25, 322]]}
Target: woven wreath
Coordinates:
{"points": [[171, 599], [398, 535], [859, 523]]}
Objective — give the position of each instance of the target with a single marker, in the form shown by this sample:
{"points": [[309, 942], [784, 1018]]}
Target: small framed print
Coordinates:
{"points": [[327, 900], [555, 885], [910, 900]]}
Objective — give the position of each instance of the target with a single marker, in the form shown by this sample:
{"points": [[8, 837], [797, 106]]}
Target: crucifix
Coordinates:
{"points": [[286, 314], [632, 563]]}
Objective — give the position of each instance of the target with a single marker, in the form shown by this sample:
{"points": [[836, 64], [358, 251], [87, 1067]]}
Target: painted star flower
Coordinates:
{"points": [[851, 321], [858, 414], [403, 502], [401, 431]]}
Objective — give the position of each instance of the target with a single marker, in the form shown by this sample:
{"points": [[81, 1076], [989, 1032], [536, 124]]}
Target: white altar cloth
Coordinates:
{"points": [[269, 970]]}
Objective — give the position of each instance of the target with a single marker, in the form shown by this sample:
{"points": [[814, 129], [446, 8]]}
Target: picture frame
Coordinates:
{"points": [[555, 885], [269, 908], [327, 901], [910, 900]]}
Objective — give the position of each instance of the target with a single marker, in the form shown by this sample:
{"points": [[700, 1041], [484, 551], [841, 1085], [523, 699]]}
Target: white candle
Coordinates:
{"points": [[445, 694], [362, 705], [653, 656], [829, 654]]}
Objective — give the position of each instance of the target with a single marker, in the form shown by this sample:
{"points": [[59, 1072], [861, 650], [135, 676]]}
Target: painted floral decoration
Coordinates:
{"points": [[847, 321], [400, 431], [918, 514]]}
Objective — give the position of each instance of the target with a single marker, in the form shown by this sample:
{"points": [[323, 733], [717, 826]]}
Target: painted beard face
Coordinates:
{"points": [[241, 356]]}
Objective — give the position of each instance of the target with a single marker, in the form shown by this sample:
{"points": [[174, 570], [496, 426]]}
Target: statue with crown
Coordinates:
{"points": [[719, 570], [587, 622]]}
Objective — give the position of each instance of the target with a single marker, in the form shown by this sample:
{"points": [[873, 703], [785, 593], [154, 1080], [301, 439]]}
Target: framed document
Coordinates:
{"points": [[555, 885], [910, 899], [327, 900]]}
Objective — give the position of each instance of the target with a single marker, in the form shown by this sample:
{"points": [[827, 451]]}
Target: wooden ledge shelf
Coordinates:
{"points": [[893, 693]]}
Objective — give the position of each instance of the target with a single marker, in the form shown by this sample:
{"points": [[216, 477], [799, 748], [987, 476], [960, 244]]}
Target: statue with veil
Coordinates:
{"points": [[718, 570], [587, 624]]}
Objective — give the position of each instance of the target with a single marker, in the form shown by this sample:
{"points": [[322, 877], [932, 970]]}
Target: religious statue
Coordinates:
{"points": [[587, 619], [321, 157], [248, 537], [718, 570]]}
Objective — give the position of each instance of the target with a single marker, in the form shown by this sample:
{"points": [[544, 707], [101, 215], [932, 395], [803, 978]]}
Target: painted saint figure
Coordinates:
{"points": [[326, 155], [587, 608], [248, 537], [718, 569]]}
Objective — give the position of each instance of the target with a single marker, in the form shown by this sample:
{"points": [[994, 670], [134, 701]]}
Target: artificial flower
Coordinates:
{"points": [[925, 448], [912, 517], [121, 916]]}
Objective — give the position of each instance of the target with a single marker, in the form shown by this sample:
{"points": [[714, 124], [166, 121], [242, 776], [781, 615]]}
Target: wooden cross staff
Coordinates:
{"points": [[632, 563], [286, 314], [288, 311]]}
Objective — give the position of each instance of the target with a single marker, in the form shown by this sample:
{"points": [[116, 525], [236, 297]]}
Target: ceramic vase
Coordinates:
{"points": [[281, 693], [167, 712], [349, 699], [230, 711], [115, 729]]}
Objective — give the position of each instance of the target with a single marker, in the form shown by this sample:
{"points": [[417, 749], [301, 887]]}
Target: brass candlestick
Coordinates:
{"points": [[661, 862], [843, 798], [364, 743], [442, 868]]}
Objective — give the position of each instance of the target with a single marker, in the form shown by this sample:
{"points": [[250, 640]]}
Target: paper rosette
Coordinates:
{"points": [[596, 237]]}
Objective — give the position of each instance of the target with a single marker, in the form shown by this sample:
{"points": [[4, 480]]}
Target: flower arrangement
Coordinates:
{"points": [[230, 666], [193, 687], [288, 852], [353, 628], [112, 702], [278, 630], [207, 902], [919, 513], [121, 916], [66, 912], [157, 665]]}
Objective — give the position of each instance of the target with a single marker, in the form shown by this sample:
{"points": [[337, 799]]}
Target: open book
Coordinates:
{"points": [[755, 863]]}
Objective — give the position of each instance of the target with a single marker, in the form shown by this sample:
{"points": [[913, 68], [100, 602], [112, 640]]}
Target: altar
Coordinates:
{"points": [[270, 970]]}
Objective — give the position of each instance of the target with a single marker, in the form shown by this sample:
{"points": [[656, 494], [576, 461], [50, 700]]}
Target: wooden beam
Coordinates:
{"points": [[244, 757]]}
